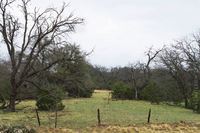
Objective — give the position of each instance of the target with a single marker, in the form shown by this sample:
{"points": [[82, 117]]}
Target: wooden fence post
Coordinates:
{"points": [[38, 118], [98, 117], [56, 118], [149, 116]]}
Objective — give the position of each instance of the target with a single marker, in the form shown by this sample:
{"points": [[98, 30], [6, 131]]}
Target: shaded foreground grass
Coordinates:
{"points": [[81, 113]]}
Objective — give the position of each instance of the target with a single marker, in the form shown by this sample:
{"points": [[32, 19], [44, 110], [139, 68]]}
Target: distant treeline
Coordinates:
{"points": [[170, 74]]}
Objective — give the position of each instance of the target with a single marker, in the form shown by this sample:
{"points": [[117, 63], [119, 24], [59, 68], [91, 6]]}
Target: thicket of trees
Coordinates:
{"points": [[160, 82], [71, 76], [170, 74]]}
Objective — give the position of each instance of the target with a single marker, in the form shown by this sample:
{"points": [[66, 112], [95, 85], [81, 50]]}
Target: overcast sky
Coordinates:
{"points": [[120, 31]]}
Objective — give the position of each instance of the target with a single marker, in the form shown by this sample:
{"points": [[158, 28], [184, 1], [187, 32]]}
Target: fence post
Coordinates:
{"points": [[98, 117], [56, 118], [149, 116], [38, 118]]}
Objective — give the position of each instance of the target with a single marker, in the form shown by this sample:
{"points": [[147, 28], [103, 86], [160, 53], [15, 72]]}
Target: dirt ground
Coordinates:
{"points": [[147, 128]]}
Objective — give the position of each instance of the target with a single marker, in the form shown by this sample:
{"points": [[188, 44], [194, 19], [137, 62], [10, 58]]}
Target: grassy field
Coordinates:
{"points": [[82, 113]]}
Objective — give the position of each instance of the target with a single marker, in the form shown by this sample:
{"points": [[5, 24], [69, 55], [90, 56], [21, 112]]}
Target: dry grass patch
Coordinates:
{"points": [[150, 128]]}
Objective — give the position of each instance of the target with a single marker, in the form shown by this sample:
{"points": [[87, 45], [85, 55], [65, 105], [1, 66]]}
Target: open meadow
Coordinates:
{"points": [[81, 114]]}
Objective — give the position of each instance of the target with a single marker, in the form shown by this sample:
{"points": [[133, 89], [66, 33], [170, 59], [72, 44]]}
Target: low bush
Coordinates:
{"points": [[122, 91], [152, 93], [194, 101], [50, 98]]}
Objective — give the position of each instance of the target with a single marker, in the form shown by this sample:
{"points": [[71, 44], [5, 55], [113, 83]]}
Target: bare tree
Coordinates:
{"points": [[141, 73], [138, 77], [28, 38], [174, 61], [190, 49]]}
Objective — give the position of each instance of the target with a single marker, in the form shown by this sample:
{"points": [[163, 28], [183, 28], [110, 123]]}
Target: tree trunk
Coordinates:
{"points": [[12, 103], [13, 96], [186, 102]]}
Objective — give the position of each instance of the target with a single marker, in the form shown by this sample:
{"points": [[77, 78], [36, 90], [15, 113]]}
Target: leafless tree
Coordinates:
{"points": [[141, 72], [29, 37], [137, 78], [174, 61], [191, 50]]}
